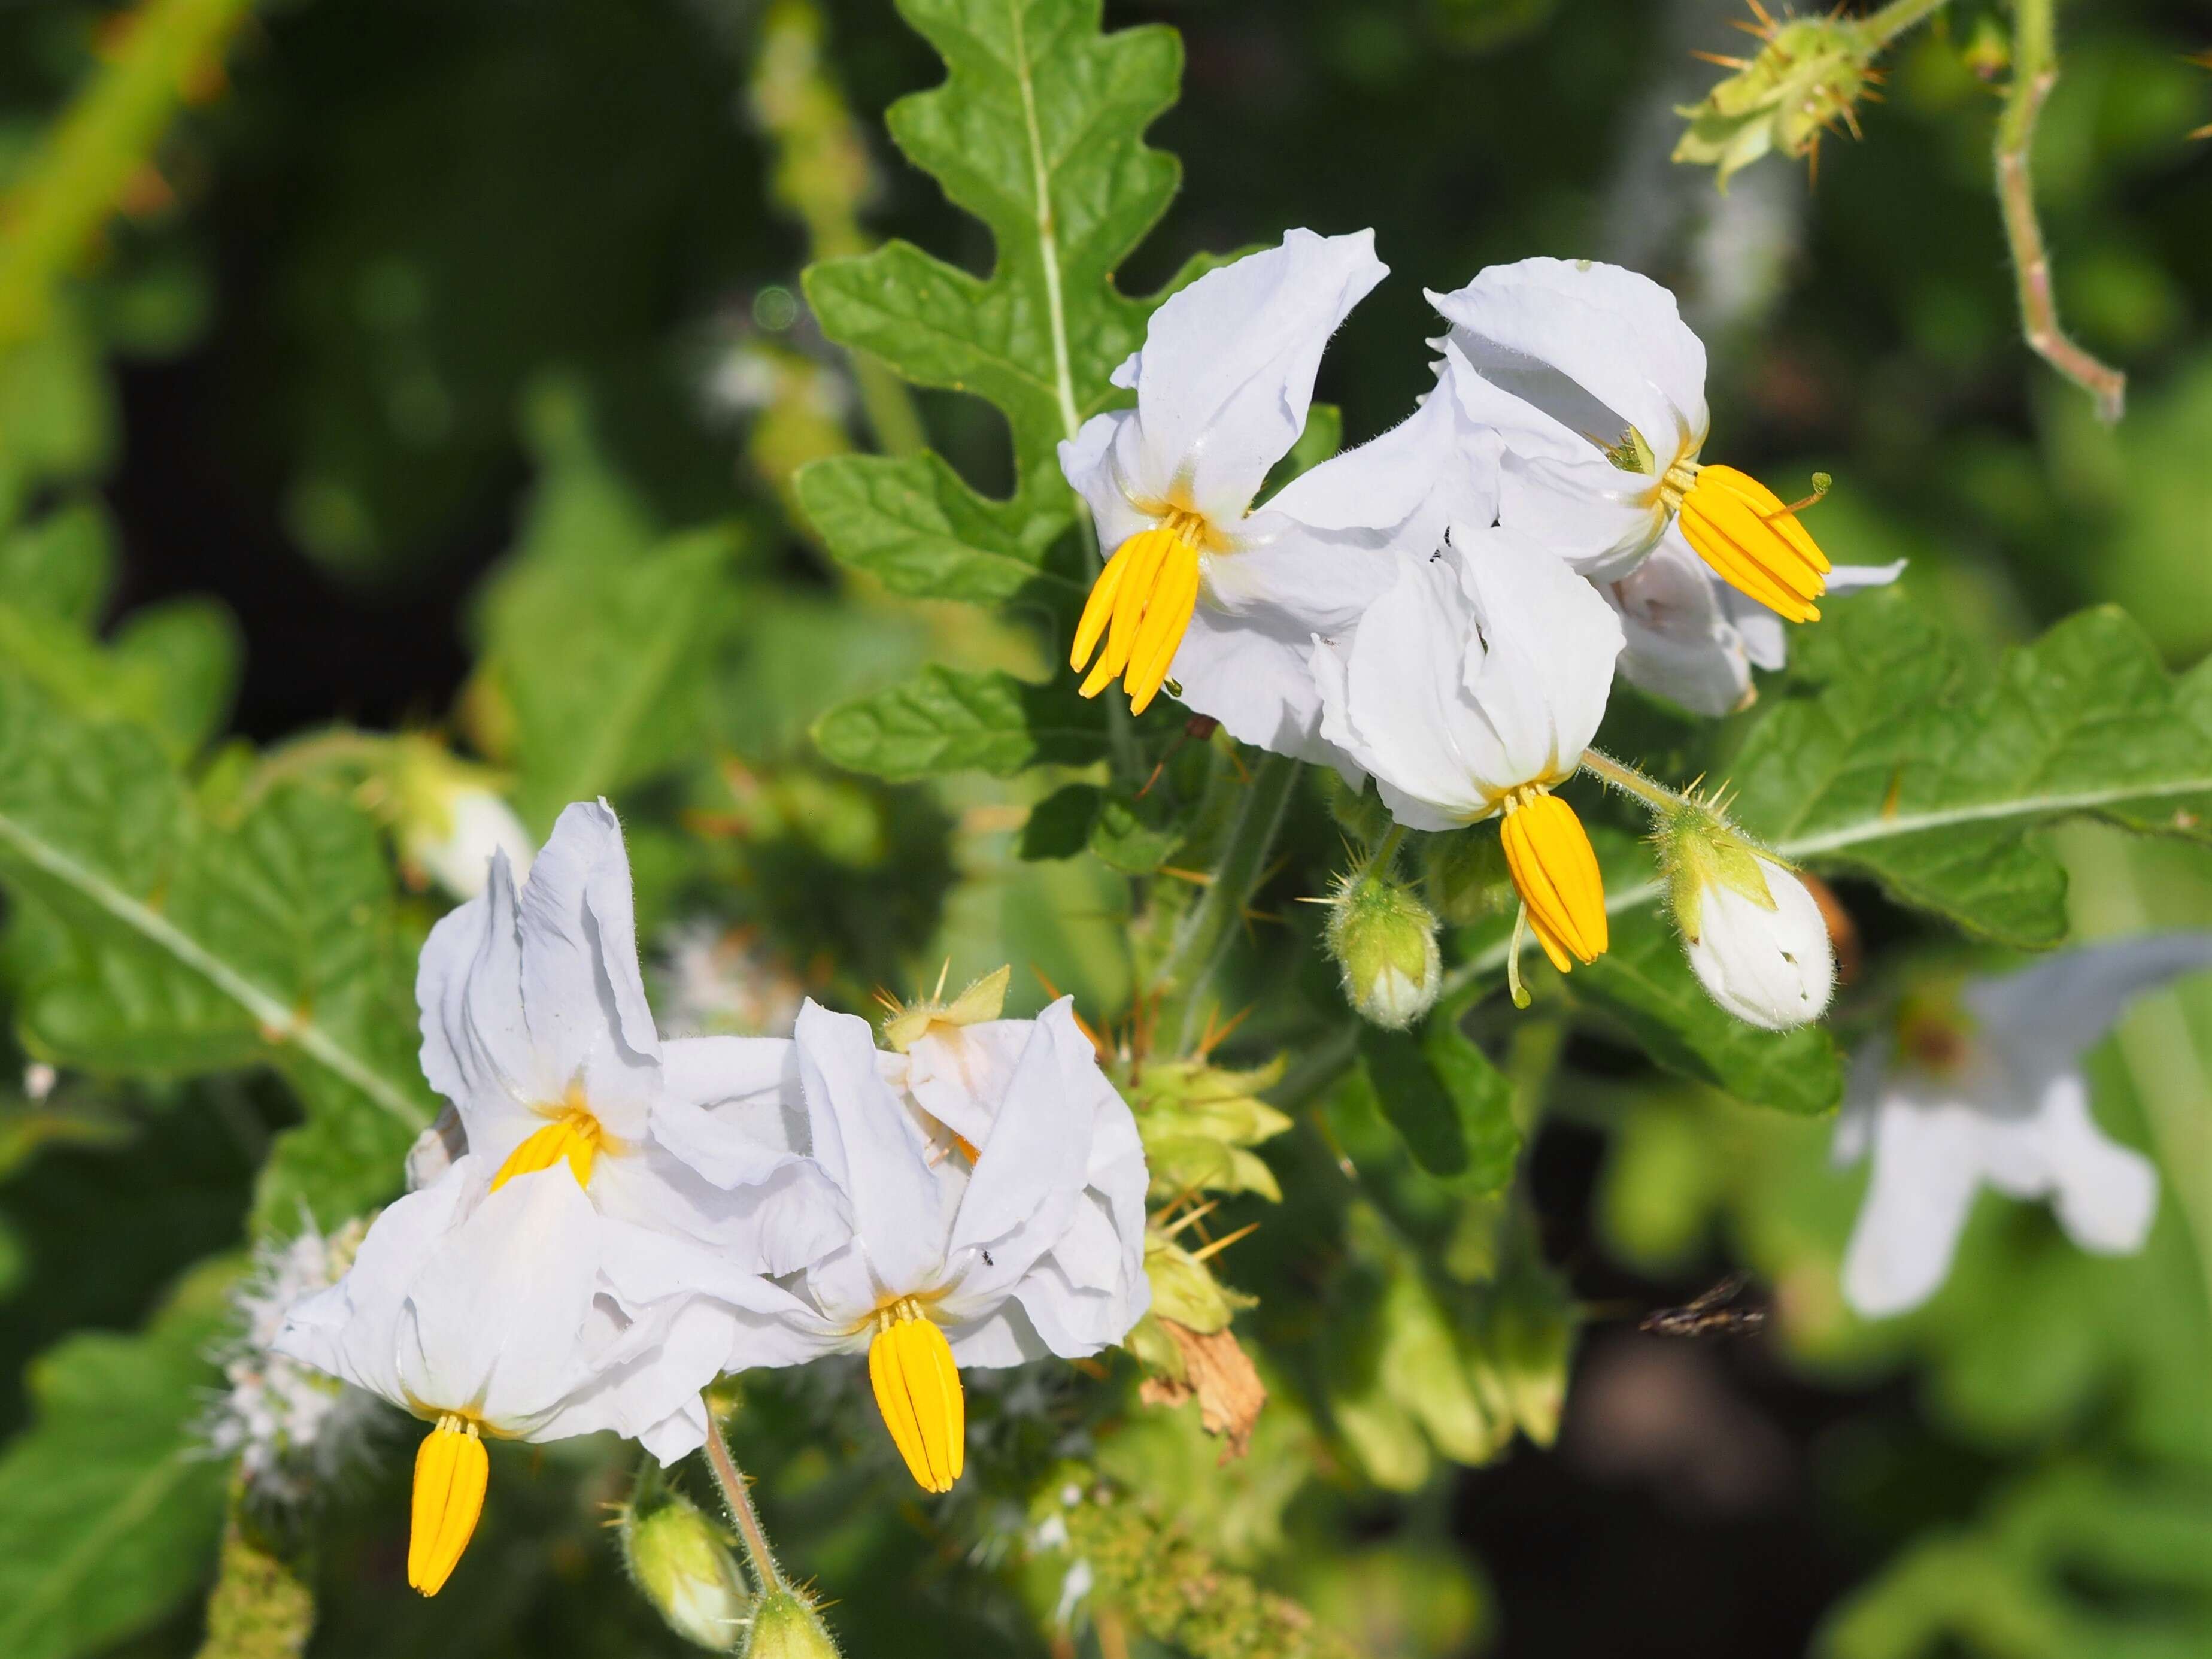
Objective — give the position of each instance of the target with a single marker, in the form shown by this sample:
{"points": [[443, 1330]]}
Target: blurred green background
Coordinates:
{"points": [[414, 284]]}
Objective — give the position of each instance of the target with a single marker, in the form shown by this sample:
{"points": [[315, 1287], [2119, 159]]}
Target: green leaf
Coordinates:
{"points": [[603, 664], [184, 944], [1644, 984], [109, 1508], [914, 525], [1453, 1108], [1038, 132], [1908, 766], [945, 720], [1887, 754], [61, 565], [1059, 826]]}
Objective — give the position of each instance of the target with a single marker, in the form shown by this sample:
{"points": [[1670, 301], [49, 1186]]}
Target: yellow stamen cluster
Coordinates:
{"points": [[1147, 590], [451, 1471], [1753, 541], [918, 1391], [1554, 869], [574, 1135]]}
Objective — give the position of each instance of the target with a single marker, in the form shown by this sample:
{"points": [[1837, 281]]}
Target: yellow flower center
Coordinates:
{"points": [[450, 1472], [1753, 541], [573, 1134], [1554, 869], [1147, 592], [918, 1391]]}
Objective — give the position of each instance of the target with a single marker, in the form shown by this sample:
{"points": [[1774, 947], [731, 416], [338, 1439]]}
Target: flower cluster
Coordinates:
{"points": [[1443, 609], [634, 1216]]}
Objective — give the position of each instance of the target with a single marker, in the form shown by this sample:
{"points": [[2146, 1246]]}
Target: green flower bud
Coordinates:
{"points": [[786, 1627], [1756, 937], [1198, 1122], [681, 1563], [1465, 878], [1808, 75], [1384, 939]]}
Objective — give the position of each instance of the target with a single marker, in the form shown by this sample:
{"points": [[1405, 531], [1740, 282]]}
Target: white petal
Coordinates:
{"points": [[1433, 469], [1225, 378], [868, 1145], [1033, 1170], [1549, 643], [2041, 1019], [1596, 347], [1092, 462], [351, 1329], [1927, 1164], [1678, 641], [1004, 1337], [1255, 679], [1393, 701], [2107, 1193], [582, 990], [476, 1050], [495, 1317]]}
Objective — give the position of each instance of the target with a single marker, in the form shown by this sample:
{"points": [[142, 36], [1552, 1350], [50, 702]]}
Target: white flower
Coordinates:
{"points": [[519, 1313], [1034, 1247], [1598, 391], [1470, 690], [1694, 640], [535, 1026], [1758, 943], [1200, 588], [451, 820], [291, 1427], [1992, 1091]]}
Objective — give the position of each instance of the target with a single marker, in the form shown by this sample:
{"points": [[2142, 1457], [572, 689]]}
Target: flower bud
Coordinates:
{"points": [[681, 1563], [1384, 939], [1809, 74], [451, 820], [1756, 938], [1465, 877], [786, 1627]]}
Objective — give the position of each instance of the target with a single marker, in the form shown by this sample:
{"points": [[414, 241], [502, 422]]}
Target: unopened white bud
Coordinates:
{"points": [[682, 1564], [451, 820], [1384, 938], [1756, 937]]}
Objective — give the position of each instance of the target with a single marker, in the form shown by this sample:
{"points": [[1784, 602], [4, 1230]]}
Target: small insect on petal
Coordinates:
{"points": [[451, 1471]]}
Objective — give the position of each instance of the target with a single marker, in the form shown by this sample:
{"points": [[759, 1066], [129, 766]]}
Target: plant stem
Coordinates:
{"points": [[739, 1499], [1203, 939], [169, 50], [1385, 851], [1622, 776], [2034, 73], [1879, 29]]}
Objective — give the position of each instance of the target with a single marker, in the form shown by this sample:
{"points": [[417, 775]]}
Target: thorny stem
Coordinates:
{"points": [[2034, 73], [1649, 790], [1203, 939], [1879, 29], [732, 1479], [170, 50], [1377, 861]]}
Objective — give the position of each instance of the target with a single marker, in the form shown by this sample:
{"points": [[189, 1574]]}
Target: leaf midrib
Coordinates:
{"points": [[268, 1011], [1492, 959], [1048, 240]]}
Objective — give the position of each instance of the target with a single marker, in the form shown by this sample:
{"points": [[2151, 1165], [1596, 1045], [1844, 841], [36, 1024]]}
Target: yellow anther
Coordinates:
{"points": [[450, 1472], [1549, 856], [1754, 542], [918, 1391], [1146, 593], [574, 1135]]}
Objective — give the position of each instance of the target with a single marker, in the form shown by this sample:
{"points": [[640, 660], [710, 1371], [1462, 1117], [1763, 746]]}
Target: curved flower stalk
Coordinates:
{"points": [[1202, 589], [1470, 691], [535, 1026], [515, 1313], [1598, 391], [1035, 1247], [1693, 640], [1989, 1089]]}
